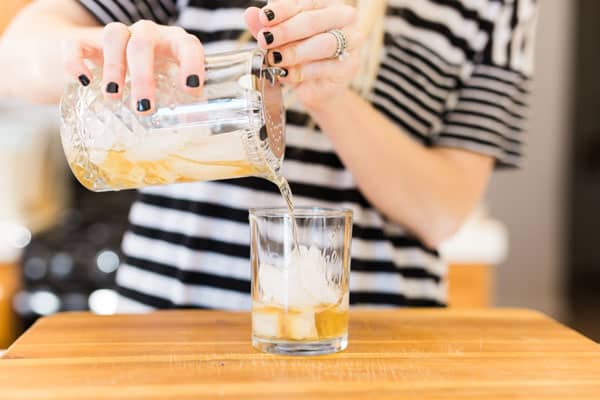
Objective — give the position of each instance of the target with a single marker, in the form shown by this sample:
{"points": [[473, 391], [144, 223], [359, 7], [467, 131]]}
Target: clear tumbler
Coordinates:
{"points": [[300, 291]]}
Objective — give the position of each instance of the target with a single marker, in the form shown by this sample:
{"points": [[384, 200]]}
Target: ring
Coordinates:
{"points": [[342, 44]]}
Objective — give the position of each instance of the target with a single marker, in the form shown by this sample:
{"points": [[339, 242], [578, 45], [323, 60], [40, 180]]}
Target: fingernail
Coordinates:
{"points": [[284, 72], [192, 81], [264, 134], [270, 14], [277, 57], [84, 80], [269, 38], [112, 87], [143, 105]]}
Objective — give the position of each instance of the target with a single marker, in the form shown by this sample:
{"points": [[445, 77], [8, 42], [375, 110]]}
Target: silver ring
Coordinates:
{"points": [[342, 44]]}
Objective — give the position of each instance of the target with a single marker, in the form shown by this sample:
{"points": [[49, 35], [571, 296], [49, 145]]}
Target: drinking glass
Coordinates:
{"points": [[300, 291]]}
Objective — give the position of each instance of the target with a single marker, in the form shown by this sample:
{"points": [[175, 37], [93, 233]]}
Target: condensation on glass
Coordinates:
{"points": [[235, 128]]}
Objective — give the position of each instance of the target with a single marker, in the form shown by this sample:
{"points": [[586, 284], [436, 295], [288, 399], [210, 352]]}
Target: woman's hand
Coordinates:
{"points": [[296, 33], [134, 48]]}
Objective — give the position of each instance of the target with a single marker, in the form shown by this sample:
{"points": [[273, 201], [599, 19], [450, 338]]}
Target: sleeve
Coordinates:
{"points": [[487, 112], [129, 11]]}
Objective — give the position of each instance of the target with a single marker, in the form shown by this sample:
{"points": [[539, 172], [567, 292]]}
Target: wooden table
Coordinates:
{"points": [[401, 354]]}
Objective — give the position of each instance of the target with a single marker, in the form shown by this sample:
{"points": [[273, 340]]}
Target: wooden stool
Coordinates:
{"points": [[470, 285], [473, 255], [9, 284]]}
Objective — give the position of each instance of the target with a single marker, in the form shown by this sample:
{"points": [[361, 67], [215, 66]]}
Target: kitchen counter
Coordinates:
{"points": [[393, 354]]}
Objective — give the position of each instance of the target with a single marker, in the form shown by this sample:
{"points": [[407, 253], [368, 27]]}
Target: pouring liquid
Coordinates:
{"points": [[276, 177], [286, 193]]}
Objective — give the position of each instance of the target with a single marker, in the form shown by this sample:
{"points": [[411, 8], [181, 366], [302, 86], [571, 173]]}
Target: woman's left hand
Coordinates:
{"points": [[297, 35]]}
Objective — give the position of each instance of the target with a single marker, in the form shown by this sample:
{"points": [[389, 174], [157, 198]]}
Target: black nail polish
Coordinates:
{"points": [[84, 80], [264, 134], [112, 87], [284, 72], [192, 81], [270, 14], [143, 105], [277, 57], [269, 38]]}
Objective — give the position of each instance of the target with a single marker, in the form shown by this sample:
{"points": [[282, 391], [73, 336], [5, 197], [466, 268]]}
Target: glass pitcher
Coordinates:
{"points": [[235, 128]]}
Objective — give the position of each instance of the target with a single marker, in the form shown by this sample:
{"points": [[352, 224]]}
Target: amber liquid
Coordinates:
{"points": [[286, 193], [323, 322], [118, 171]]}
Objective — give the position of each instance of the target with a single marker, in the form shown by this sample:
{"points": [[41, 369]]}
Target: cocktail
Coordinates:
{"points": [[300, 291]]}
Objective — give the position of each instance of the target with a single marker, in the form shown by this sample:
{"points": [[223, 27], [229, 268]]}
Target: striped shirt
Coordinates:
{"points": [[453, 73]]}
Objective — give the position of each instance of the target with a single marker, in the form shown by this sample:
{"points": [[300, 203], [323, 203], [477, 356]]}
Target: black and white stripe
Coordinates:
{"points": [[128, 12], [454, 73]]}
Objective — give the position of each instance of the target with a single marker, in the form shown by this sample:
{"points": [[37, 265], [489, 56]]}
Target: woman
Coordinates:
{"points": [[428, 98]]}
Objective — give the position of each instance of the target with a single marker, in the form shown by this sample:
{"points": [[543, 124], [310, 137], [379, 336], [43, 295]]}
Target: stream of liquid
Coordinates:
{"points": [[276, 319], [286, 193]]}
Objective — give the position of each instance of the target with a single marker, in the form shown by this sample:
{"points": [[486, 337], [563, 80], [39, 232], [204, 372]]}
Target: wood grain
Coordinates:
{"points": [[395, 354]]}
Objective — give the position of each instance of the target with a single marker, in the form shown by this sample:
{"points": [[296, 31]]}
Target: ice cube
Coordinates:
{"points": [[95, 132], [266, 322], [300, 325], [223, 147], [160, 173], [195, 171], [301, 283], [121, 134], [136, 176], [103, 140], [272, 284], [97, 156], [296, 295], [154, 147], [313, 277]]}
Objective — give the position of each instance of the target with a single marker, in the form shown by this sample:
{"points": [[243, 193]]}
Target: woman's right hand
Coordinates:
{"points": [[134, 48]]}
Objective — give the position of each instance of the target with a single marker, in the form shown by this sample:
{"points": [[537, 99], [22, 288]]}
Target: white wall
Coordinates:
{"points": [[531, 202]]}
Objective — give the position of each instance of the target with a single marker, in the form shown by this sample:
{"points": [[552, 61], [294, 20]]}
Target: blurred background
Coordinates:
{"points": [[532, 244]]}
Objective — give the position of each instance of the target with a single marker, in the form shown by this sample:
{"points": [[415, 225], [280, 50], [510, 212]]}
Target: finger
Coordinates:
{"points": [[306, 24], [189, 53], [318, 47], [278, 11], [140, 61], [116, 37], [74, 52], [252, 17], [329, 70]]}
